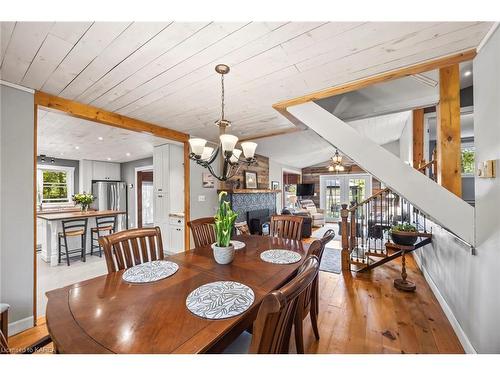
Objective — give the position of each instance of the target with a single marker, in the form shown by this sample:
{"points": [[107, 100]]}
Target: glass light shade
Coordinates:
{"points": [[197, 145], [236, 155], [207, 152], [249, 149], [228, 142], [330, 168], [337, 159]]}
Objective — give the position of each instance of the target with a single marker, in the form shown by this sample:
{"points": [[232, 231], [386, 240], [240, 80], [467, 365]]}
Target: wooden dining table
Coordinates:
{"points": [[108, 315]]}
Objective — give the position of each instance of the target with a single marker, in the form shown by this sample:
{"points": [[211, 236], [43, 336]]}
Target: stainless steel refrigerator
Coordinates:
{"points": [[111, 195]]}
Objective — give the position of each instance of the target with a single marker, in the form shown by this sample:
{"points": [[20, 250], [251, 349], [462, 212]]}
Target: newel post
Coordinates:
{"points": [[346, 258]]}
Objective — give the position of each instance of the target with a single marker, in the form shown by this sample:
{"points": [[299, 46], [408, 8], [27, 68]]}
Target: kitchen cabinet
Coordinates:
{"points": [[97, 170], [176, 238], [105, 171], [168, 184]]}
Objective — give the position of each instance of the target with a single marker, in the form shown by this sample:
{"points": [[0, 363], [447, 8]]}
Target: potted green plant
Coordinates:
{"points": [[84, 200], [404, 234], [224, 223]]}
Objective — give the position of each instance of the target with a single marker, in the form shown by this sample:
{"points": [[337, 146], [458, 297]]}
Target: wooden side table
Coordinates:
{"points": [[403, 283]]}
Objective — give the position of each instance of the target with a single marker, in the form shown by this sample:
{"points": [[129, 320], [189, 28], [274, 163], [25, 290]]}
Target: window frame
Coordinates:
{"points": [[70, 182]]}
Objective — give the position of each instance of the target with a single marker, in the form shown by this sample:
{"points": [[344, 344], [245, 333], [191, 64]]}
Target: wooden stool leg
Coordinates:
{"points": [[84, 247], [58, 249], [404, 284], [66, 248]]}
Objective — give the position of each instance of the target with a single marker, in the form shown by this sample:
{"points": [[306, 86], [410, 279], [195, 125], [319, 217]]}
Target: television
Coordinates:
{"points": [[304, 190]]}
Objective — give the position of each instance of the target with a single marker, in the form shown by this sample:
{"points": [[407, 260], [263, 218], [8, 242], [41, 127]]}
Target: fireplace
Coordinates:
{"points": [[256, 218]]}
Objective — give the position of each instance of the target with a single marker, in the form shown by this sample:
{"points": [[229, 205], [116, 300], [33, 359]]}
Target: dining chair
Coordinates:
{"points": [[310, 303], [273, 325], [72, 228], [203, 230], [286, 226], [131, 247], [103, 224]]}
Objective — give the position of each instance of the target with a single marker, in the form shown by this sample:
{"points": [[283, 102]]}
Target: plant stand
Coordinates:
{"points": [[403, 283]]}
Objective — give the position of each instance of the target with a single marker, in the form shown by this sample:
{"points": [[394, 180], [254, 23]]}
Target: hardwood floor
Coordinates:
{"points": [[362, 313]]}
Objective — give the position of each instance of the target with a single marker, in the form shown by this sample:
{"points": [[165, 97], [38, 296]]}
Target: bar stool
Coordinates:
{"points": [[103, 224], [72, 228]]}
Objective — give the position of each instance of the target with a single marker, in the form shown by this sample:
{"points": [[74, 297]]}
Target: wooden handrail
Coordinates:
{"points": [[353, 208]]}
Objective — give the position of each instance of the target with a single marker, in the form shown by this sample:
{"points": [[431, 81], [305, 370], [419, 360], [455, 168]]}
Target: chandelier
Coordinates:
{"points": [[205, 156], [336, 164]]}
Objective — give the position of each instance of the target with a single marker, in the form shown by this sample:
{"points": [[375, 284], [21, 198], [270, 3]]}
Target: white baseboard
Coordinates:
{"points": [[21, 325], [462, 337]]}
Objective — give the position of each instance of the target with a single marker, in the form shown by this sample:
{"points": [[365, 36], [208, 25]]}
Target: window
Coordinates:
{"points": [[54, 184], [467, 159]]}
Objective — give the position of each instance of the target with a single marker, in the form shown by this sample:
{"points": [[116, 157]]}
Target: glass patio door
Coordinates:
{"points": [[336, 190]]}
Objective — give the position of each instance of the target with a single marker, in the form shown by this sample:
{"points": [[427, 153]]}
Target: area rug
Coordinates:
{"points": [[331, 261]]}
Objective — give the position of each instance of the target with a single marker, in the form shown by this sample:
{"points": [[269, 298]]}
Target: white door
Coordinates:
{"points": [[161, 208], [336, 190]]}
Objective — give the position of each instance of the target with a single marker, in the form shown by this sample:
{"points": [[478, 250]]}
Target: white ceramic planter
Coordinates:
{"points": [[223, 255]]}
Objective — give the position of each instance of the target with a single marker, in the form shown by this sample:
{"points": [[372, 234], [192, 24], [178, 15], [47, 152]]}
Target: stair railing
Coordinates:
{"points": [[429, 168], [365, 226]]}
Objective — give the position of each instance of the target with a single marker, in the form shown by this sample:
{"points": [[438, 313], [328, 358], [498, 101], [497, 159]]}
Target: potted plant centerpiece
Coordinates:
{"points": [[84, 200], [404, 234], [224, 223]]}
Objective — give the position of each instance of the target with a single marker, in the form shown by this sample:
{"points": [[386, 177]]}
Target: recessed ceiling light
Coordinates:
{"points": [[109, 159], [77, 147], [467, 73], [128, 154], [100, 138]]}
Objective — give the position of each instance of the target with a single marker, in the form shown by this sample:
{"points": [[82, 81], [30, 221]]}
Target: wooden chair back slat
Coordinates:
{"points": [[131, 247], [286, 226], [272, 327], [203, 230]]}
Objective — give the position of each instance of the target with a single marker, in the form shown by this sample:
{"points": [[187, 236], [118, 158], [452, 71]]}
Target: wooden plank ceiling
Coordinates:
{"points": [[164, 72]]}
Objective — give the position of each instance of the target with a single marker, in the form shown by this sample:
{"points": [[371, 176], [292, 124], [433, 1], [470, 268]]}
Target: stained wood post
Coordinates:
{"points": [[448, 130], [346, 258], [418, 138]]}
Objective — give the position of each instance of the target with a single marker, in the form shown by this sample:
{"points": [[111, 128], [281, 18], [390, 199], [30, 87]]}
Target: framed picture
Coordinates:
{"points": [[275, 185], [208, 181], [250, 180]]}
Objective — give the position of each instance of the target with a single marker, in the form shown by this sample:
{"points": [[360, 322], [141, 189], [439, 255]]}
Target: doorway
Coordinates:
{"points": [[336, 190], [144, 212], [290, 181]]}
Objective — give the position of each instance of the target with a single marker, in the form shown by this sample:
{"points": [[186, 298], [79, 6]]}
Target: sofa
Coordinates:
{"points": [[317, 215]]}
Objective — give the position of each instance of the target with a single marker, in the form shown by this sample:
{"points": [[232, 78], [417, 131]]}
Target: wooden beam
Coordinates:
{"points": [[90, 113], [418, 137], [448, 130], [384, 77], [187, 196]]}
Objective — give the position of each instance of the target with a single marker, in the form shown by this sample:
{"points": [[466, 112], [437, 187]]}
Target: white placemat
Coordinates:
{"points": [[238, 245], [220, 300], [280, 256], [150, 271]]}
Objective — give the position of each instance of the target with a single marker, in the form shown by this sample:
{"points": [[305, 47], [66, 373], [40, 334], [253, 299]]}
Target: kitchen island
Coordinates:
{"points": [[52, 225]]}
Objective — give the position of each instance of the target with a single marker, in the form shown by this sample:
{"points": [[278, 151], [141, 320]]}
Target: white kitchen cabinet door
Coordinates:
{"points": [[176, 240], [176, 179], [99, 170], [113, 171], [85, 176], [160, 168]]}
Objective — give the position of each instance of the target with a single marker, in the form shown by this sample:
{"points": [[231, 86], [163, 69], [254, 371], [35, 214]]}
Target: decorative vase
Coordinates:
{"points": [[403, 238], [223, 255], [84, 207]]}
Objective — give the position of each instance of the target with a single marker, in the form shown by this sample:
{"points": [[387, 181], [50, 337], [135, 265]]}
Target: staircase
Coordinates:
{"points": [[365, 230]]}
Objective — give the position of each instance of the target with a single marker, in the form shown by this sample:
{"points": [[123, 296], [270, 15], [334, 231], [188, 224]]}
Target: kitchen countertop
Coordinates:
{"points": [[77, 214]]}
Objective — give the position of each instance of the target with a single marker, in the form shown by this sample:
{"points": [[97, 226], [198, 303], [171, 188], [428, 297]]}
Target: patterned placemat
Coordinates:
{"points": [[220, 300], [238, 245], [150, 271], [280, 256]]}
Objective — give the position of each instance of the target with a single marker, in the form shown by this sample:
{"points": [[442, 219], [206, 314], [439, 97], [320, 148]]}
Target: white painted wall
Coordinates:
{"points": [[406, 141], [16, 205], [276, 174], [446, 208], [467, 283]]}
